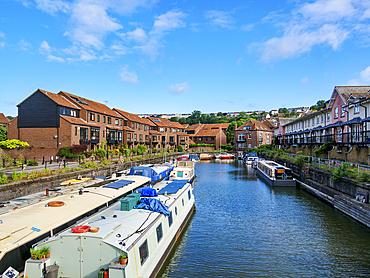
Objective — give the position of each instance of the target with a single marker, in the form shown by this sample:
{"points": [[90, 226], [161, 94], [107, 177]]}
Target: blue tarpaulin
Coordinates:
{"points": [[118, 184], [148, 192], [153, 205], [173, 187]]}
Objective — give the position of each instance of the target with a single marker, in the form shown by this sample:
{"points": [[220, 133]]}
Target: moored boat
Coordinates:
{"points": [[25, 225], [225, 155], [156, 173], [184, 157], [144, 234], [184, 172], [249, 158], [205, 156], [275, 174], [194, 158]]}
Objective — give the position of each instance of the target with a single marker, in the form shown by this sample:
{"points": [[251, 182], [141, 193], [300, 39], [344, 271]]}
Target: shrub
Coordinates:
{"points": [[87, 154], [154, 150], [102, 152], [340, 171], [180, 148], [299, 161], [31, 162], [322, 150], [12, 144], [78, 149], [3, 178]]}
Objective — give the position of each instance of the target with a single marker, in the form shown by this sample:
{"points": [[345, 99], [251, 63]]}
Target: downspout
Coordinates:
{"points": [[365, 124]]}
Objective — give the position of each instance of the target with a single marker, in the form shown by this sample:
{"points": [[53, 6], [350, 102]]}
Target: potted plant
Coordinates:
{"points": [[36, 254], [45, 251], [123, 259]]}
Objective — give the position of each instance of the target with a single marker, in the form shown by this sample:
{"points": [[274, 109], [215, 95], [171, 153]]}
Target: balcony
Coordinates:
{"points": [[172, 143], [94, 141], [147, 143], [85, 141]]}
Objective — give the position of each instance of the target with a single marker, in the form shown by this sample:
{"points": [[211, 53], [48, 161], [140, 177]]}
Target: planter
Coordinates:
{"points": [[47, 255], [123, 261]]}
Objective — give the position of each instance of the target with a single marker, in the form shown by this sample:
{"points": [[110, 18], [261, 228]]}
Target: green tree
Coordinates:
{"points": [[3, 133], [242, 114], [320, 104], [283, 110], [174, 119], [10, 117], [220, 114]]}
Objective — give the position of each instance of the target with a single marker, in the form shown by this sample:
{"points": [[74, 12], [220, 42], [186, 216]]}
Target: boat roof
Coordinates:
{"points": [[115, 225], [272, 164], [46, 218]]}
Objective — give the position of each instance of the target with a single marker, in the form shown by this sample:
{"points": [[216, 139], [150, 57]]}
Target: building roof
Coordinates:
{"points": [[172, 124], [269, 124], [147, 122], [216, 126], [346, 91], [182, 134], [255, 125], [91, 105], [154, 132], [129, 116], [3, 119], [77, 121], [128, 129], [208, 132], [158, 121]]}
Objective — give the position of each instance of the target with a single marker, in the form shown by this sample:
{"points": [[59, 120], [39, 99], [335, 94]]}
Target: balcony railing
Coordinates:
{"points": [[361, 137], [85, 141]]}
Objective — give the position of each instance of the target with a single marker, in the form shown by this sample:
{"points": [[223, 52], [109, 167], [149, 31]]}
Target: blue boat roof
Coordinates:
{"points": [[173, 187], [118, 184]]}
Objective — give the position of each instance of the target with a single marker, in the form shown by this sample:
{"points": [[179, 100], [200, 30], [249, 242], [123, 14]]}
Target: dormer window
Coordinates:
{"points": [[357, 108]]}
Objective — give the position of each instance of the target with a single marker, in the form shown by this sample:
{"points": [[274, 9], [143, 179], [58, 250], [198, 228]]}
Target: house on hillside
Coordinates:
{"points": [[4, 121]]}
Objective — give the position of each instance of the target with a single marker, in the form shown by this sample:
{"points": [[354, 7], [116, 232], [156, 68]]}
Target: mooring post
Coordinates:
{"points": [[43, 160], [3, 162]]}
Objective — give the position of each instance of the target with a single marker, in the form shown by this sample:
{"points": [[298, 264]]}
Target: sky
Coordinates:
{"points": [[152, 56]]}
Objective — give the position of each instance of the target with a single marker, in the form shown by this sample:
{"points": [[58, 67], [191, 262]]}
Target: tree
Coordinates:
{"points": [[320, 104], [220, 114], [242, 114], [174, 119], [283, 110], [3, 133], [10, 117]]}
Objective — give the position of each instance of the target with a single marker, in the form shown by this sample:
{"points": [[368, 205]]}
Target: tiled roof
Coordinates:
{"points": [[4, 119], [128, 129], [255, 125], [59, 99], [158, 121], [114, 127], [90, 105], [213, 126], [129, 116], [76, 121], [346, 91], [208, 132], [269, 124], [193, 127], [147, 122], [172, 124], [154, 132], [182, 134]]}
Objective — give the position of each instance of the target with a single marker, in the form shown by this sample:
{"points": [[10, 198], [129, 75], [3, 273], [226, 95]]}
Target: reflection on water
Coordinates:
{"points": [[244, 228]]}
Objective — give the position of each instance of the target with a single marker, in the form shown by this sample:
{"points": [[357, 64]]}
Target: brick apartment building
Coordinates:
{"points": [[252, 134], [208, 133]]}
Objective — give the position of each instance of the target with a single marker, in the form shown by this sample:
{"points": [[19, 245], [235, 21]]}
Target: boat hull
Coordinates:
{"points": [[274, 182]]}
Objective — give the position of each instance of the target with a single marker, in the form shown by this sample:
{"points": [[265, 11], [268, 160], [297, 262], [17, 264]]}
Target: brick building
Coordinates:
{"points": [[252, 134], [4, 121]]}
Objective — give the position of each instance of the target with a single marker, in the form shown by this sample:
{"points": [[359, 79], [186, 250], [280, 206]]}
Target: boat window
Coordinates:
{"points": [[189, 194], [144, 252], [183, 202], [159, 232], [170, 220], [180, 174], [175, 210]]}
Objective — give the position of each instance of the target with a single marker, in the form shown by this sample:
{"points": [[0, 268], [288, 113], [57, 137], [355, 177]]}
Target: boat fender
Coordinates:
{"points": [[80, 229], [284, 176], [56, 204]]}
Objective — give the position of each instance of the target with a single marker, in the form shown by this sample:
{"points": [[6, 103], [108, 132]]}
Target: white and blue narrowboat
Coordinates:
{"points": [[156, 173], [275, 174], [142, 227]]}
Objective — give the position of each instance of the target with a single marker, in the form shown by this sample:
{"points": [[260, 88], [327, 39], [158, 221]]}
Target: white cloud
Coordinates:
{"points": [[354, 82], [53, 6], [168, 21], [247, 27], [220, 18], [2, 35], [46, 50], [297, 40], [178, 89], [305, 80], [2, 44], [127, 76], [239, 61], [24, 45], [316, 23], [138, 35], [365, 74]]}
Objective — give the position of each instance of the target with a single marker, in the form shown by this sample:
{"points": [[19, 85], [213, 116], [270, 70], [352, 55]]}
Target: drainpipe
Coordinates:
{"points": [[365, 126]]}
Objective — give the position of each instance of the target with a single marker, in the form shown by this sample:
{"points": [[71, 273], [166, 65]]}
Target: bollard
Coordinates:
{"points": [[64, 163], [46, 165], [79, 160], [25, 160], [15, 162], [43, 160], [4, 163]]}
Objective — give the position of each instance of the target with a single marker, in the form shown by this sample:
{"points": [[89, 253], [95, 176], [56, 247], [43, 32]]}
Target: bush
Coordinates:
{"points": [[102, 152], [299, 161], [154, 150], [201, 145], [32, 162], [3, 178], [340, 172], [180, 148], [88, 154], [13, 144], [78, 149], [322, 150]]}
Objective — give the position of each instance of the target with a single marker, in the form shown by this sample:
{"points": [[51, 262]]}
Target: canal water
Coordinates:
{"points": [[244, 228]]}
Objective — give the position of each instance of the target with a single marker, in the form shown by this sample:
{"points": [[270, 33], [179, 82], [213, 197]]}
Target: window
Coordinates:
{"points": [[170, 219], [318, 119], [260, 137], [336, 112], [268, 138], [98, 118], [128, 136], [146, 138], [239, 145], [328, 117], [182, 202], [250, 135], [342, 111], [92, 117], [76, 130], [144, 252], [357, 108], [116, 122], [249, 145], [121, 122], [161, 129], [159, 231], [141, 138], [83, 133], [175, 210], [189, 195], [103, 119], [109, 120], [135, 137], [322, 118]]}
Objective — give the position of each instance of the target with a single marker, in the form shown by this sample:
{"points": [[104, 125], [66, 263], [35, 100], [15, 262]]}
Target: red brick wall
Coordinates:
{"points": [[12, 129], [31, 153]]}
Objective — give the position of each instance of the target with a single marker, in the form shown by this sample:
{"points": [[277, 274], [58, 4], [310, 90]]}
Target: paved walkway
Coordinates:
{"points": [[40, 167]]}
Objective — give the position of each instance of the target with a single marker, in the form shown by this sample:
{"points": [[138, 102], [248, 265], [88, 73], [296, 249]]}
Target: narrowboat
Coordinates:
{"points": [[131, 238], [156, 173], [39, 217], [183, 173], [275, 174]]}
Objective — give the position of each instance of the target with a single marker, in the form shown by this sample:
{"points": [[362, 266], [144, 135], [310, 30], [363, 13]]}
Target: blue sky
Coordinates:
{"points": [[152, 56]]}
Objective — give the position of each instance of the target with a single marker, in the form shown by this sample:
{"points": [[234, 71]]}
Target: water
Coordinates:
{"points": [[243, 228]]}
